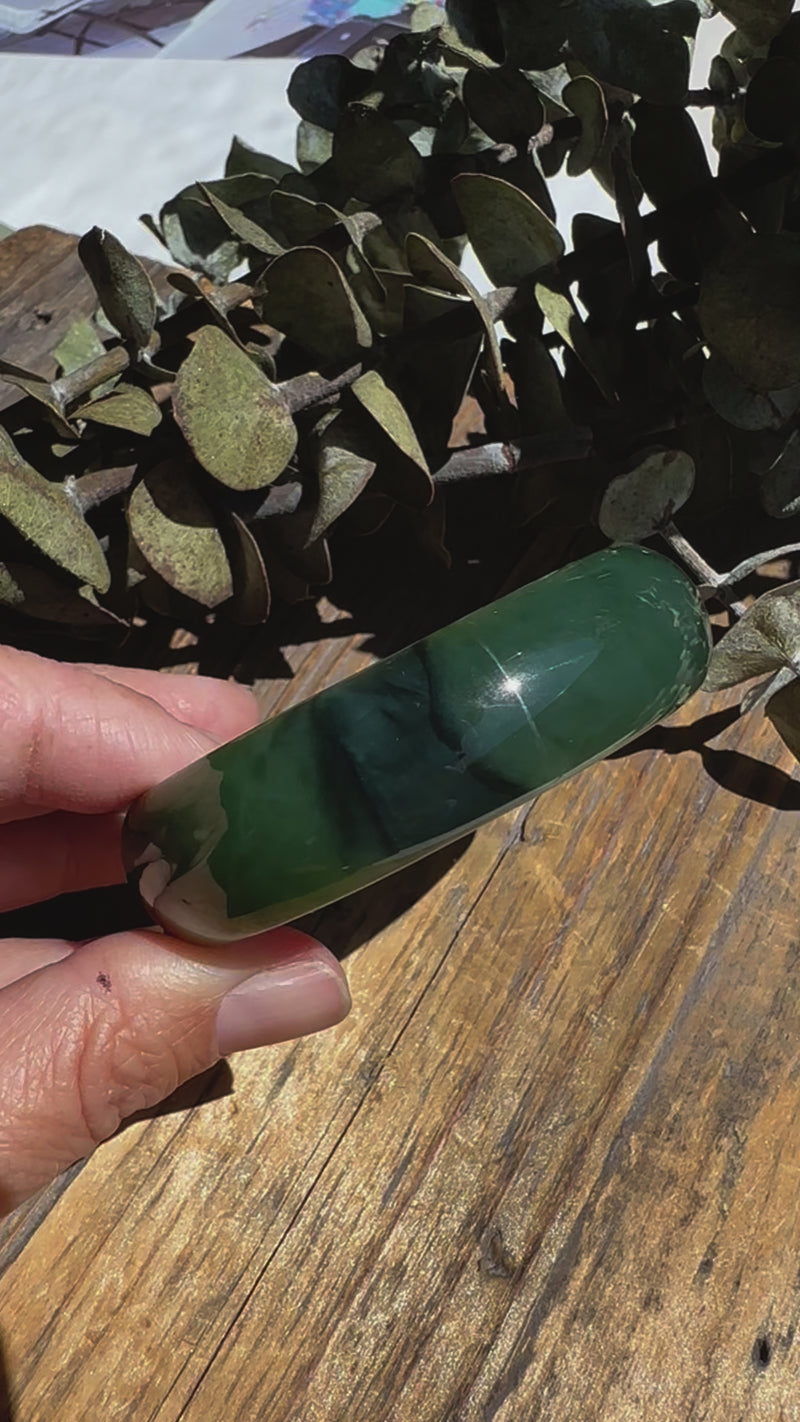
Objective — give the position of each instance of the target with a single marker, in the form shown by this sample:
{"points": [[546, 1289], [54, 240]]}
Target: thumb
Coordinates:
{"points": [[114, 1026]]}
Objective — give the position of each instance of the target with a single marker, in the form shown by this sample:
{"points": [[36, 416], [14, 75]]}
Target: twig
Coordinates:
{"points": [[716, 583], [487, 461], [303, 391]]}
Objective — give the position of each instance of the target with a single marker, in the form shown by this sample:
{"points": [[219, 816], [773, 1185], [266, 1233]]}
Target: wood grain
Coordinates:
{"points": [[548, 1169], [43, 290]]}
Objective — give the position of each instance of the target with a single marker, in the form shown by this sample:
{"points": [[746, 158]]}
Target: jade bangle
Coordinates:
{"points": [[417, 750]]}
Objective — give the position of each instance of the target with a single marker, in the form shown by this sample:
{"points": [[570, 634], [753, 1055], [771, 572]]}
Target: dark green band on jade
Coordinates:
{"points": [[417, 750]]}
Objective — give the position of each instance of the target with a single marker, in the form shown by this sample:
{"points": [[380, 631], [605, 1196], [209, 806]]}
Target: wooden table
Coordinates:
{"points": [[548, 1169]]}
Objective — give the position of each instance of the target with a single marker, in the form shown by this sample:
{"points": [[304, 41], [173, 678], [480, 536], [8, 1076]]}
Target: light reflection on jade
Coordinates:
{"points": [[418, 750]]}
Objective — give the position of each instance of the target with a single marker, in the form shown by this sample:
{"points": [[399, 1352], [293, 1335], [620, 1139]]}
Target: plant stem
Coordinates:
{"points": [[696, 563], [486, 461], [302, 391]]}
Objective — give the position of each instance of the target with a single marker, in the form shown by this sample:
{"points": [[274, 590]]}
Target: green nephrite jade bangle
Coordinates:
{"points": [[415, 751]]}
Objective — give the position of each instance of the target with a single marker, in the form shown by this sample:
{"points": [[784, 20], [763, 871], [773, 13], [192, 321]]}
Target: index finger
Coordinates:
{"points": [[91, 740]]}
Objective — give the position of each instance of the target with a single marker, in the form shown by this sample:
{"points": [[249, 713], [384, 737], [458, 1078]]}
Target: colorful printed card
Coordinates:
{"points": [[200, 29]]}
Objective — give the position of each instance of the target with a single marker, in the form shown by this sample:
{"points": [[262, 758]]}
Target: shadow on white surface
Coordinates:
{"points": [[101, 142]]}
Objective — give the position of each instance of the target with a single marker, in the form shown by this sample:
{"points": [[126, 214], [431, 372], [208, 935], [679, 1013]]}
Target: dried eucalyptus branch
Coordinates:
{"points": [[487, 461]]}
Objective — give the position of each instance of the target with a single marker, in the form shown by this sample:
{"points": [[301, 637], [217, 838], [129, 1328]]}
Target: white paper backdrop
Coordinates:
{"points": [[98, 141]]}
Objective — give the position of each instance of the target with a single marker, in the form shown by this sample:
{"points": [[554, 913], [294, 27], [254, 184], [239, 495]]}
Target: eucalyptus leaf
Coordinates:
{"points": [[749, 309], [585, 99], [38, 593], [242, 158], [637, 504], [504, 103], [313, 146], [344, 469], [779, 488], [251, 599], [175, 531], [772, 101], [382, 404], [764, 640], [512, 237], [127, 408], [636, 45], [742, 407], [759, 20], [43, 514], [320, 90], [304, 295], [784, 713], [42, 392], [235, 420], [430, 265], [196, 234], [372, 159], [248, 232], [300, 219], [123, 287], [402, 469], [557, 305], [79, 345]]}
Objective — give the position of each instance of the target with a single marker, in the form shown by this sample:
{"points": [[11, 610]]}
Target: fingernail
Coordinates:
{"points": [[287, 1000]]}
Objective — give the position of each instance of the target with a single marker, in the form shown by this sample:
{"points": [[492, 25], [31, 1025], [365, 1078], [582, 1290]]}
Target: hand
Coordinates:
{"points": [[91, 1032]]}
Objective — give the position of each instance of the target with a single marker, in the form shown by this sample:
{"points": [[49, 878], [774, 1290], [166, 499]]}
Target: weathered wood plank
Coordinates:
{"points": [[43, 291], [548, 1169]]}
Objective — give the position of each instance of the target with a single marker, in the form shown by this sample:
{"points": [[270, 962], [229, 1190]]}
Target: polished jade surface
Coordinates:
{"points": [[417, 750]]}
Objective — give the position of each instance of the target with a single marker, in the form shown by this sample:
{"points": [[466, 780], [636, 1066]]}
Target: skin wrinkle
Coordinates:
{"points": [[92, 1033]]}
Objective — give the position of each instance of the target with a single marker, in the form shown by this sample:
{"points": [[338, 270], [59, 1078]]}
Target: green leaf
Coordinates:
{"points": [[196, 234], [38, 593], [402, 469], [504, 103], [11, 594], [313, 146], [635, 45], [372, 159], [772, 101], [43, 514], [779, 488], [585, 99], [637, 504], [556, 304], [764, 640], [128, 408], [300, 219], [430, 266], [320, 90], [235, 420], [512, 237], [749, 309], [79, 345], [124, 289], [175, 531], [248, 232], [784, 713], [250, 604], [344, 469], [304, 295], [42, 392], [759, 20], [244, 159], [742, 407], [382, 404]]}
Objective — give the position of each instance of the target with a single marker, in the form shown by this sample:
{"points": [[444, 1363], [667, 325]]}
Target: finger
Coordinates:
{"points": [[58, 854], [195, 700], [115, 1026], [76, 740], [20, 956]]}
